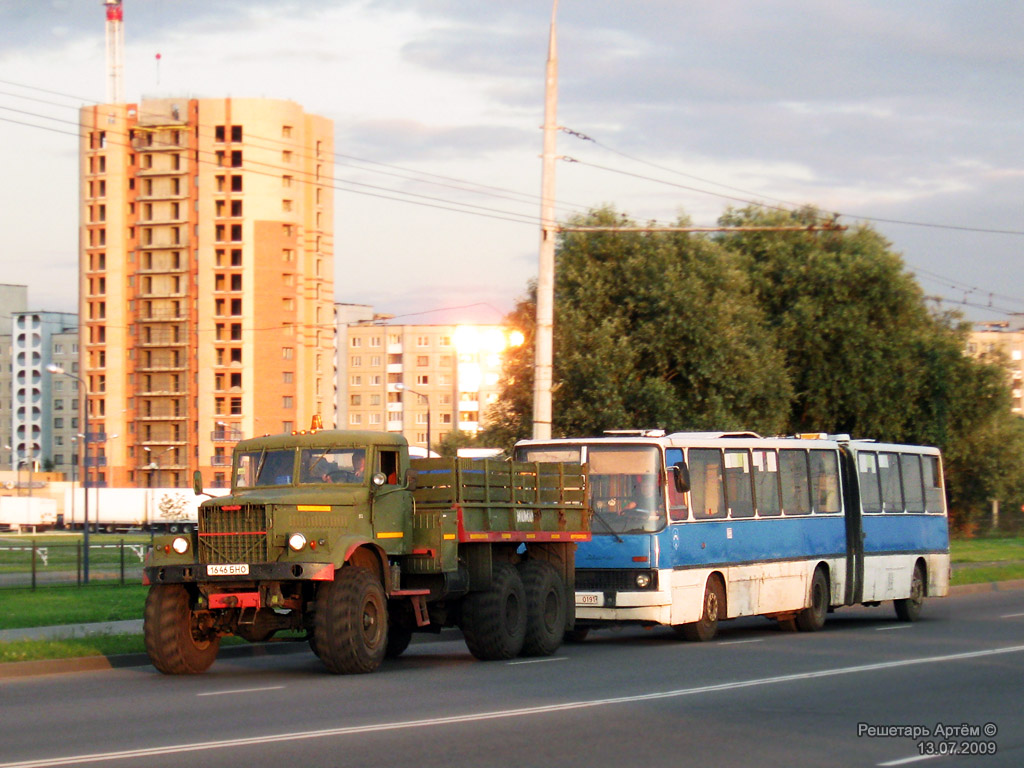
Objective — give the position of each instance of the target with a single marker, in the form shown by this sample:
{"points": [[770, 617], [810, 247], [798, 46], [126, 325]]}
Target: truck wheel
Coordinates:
{"points": [[351, 623], [398, 640], [174, 642], [494, 622], [545, 608], [813, 618]]}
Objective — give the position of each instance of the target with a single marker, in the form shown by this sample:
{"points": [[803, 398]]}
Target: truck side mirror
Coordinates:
{"points": [[681, 475], [410, 479], [197, 483]]}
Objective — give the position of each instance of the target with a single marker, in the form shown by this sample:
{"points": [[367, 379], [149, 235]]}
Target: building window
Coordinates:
{"points": [[355, 418], [355, 400], [355, 341], [356, 381], [423, 379], [287, 353], [287, 402], [356, 361], [422, 341]]}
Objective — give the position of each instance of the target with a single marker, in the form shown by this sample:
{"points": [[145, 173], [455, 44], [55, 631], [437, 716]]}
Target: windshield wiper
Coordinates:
{"points": [[606, 524], [259, 467]]}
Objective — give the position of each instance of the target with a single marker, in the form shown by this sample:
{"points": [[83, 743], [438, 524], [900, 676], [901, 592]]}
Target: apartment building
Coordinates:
{"points": [[1007, 339], [422, 381], [206, 271], [38, 415]]}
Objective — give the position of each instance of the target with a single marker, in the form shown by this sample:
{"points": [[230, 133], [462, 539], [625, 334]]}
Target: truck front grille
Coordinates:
{"points": [[235, 534]]}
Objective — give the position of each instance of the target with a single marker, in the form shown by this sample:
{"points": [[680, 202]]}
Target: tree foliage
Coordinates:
{"points": [[777, 332]]}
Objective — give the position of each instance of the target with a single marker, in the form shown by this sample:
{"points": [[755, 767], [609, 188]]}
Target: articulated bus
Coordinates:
{"points": [[693, 528]]}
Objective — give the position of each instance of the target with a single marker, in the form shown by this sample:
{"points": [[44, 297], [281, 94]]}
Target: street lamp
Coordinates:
{"points": [[401, 387], [56, 369]]}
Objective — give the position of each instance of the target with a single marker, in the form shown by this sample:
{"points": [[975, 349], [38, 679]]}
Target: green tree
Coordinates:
{"points": [[448, 446], [867, 358], [651, 330]]}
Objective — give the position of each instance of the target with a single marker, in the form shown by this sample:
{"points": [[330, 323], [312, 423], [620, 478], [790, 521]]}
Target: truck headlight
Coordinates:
{"points": [[643, 580], [180, 545], [297, 541]]}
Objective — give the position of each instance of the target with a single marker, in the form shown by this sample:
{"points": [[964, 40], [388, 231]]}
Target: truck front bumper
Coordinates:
{"points": [[254, 572]]}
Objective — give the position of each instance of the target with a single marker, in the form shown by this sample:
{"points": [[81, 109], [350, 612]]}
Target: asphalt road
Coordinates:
{"points": [[848, 695]]}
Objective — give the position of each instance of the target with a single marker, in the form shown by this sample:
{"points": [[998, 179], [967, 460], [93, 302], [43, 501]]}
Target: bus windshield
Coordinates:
{"points": [[627, 491]]}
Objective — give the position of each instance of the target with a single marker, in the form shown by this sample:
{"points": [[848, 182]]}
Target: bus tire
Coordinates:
{"points": [[351, 622], [909, 608], [494, 621], [812, 618], [713, 610], [545, 608], [174, 642]]}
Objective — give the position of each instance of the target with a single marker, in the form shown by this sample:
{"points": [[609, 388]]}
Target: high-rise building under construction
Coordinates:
{"points": [[206, 267]]}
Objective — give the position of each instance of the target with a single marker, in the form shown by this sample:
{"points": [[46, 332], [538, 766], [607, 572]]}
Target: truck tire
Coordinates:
{"points": [[174, 642], [494, 622], [351, 622], [545, 608]]}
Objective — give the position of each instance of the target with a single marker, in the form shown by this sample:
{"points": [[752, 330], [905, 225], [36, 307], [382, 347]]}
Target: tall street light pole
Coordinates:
{"points": [[544, 349], [56, 369], [404, 388]]}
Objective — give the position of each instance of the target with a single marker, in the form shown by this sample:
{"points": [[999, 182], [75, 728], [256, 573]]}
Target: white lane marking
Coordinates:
{"points": [[242, 690], [1011, 615], [896, 626], [500, 714], [741, 642], [537, 661], [914, 759]]}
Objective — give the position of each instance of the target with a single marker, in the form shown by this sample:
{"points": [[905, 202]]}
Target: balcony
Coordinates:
{"points": [[226, 435], [220, 461]]}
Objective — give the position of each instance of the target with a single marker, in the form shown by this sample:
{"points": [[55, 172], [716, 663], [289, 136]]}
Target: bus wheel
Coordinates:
{"points": [[545, 608], [812, 618], [714, 609], [174, 641], [908, 609], [494, 622], [351, 622]]}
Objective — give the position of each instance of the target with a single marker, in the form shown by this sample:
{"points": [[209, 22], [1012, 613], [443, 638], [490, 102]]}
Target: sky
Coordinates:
{"points": [[907, 116]]}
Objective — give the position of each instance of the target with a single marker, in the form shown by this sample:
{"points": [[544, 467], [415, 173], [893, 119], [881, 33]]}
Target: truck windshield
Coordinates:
{"points": [[627, 491], [258, 468], [332, 465]]}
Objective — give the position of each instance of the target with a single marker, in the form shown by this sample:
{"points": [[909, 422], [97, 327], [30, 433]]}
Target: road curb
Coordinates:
{"points": [[987, 586]]}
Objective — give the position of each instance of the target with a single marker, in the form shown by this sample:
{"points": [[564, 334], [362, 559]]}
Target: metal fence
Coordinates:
{"points": [[31, 563]]}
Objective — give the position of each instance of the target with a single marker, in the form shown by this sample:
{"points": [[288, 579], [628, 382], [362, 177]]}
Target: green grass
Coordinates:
{"points": [[988, 573], [986, 550], [70, 605], [98, 645]]}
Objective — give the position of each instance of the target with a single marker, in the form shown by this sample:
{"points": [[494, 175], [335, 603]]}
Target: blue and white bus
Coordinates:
{"points": [[692, 528]]}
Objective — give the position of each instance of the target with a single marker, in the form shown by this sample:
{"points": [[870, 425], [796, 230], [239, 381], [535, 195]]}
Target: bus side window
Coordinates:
{"points": [[677, 509], [766, 483], [913, 487], [933, 496], [889, 477], [825, 481], [737, 483], [796, 488], [870, 490], [707, 495]]}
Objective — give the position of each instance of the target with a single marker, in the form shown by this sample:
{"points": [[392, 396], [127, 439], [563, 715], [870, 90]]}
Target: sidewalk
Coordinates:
{"points": [[65, 631]]}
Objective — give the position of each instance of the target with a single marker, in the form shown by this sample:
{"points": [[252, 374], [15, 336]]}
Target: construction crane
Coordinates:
{"points": [[115, 51]]}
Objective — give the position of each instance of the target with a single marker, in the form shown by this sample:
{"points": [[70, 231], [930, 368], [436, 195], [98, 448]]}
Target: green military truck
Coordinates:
{"points": [[339, 535]]}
